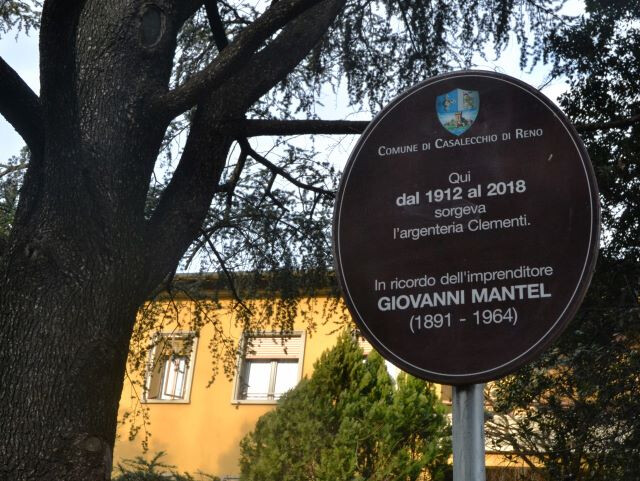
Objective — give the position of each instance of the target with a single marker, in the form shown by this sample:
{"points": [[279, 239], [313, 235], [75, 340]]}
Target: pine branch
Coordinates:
{"points": [[13, 168], [184, 203], [256, 128], [216, 25], [230, 280], [235, 178], [276, 60], [244, 144]]}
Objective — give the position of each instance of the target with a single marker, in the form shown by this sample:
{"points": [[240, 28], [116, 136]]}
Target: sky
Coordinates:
{"points": [[22, 55]]}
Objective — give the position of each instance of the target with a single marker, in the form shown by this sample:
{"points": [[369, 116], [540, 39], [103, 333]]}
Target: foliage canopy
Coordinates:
{"points": [[576, 409]]}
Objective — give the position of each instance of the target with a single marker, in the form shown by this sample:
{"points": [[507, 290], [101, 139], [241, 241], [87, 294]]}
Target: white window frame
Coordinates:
{"points": [[155, 370], [274, 359]]}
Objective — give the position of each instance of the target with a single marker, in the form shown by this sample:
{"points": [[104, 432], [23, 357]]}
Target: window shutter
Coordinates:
{"points": [[168, 376], [178, 346], [167, 348], [274, 347], [174, 377]]}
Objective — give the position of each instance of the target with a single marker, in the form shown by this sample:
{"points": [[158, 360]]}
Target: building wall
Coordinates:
{"points": [[204, 434]]}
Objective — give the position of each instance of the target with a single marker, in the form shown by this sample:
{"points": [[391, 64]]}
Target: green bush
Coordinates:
{"points": [[350, 422], [141, 469]]}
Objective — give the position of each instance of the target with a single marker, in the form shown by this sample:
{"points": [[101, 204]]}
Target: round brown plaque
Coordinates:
{"points": [[466, 227]]}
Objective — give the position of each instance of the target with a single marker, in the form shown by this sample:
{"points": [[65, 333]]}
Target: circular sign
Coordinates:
{"points": [[466, 227]]}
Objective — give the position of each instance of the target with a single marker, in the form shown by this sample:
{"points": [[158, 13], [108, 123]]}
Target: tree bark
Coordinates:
{"points": [[64, 344]]}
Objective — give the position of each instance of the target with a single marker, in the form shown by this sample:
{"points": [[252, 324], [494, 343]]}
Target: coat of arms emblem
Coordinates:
{"points": [[458, 109]]}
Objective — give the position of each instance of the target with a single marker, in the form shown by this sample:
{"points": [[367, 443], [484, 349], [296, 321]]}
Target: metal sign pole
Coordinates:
{"points": [[468, 433]]}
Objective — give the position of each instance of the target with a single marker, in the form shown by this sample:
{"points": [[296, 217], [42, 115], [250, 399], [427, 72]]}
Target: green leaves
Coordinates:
{"points": [[141, 469], [19, 15], [350, 422], [11, 175], [576, 410], [379, 48], [600, 56]]}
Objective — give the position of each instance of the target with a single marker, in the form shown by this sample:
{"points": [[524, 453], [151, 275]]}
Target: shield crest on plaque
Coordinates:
{"points": [[458, 109]]}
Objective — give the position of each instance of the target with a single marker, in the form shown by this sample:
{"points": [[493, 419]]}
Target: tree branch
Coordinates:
{"points": [[185, 8], [268, 192], [235, 178], [255, 128], [215, 22], [21, 107], [12, 168], [502, 433], [275, 61], [244, 143], [275, 127], [258, 127], [232, 58], [184, 203], [613, 124], [230, 280]]}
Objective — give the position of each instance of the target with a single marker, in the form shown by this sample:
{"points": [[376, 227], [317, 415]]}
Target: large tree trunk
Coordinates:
{"points": [[80, 258], [70, 284], [79, 264], [65, 338], [74, 272]]}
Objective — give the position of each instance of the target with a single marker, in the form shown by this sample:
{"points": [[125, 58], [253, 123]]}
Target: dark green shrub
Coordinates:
{"points": [[141, 469]]}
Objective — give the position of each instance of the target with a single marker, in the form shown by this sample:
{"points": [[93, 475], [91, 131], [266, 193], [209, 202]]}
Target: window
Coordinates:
{"points": [[271, 366], [170, 368]]}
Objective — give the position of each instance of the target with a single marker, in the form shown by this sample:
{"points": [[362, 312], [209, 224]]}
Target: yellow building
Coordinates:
{"points": [[200, 424]]}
